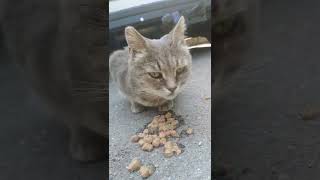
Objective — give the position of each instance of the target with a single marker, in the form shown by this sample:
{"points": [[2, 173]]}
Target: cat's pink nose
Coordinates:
{"points": [[172, 89]]}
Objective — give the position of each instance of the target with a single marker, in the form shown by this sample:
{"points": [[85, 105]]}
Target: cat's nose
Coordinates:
{"points": [[172, 89]]}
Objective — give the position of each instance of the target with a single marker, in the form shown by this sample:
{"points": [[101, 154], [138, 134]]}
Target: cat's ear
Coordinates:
{"points": [[134, 39], [178, 32]]}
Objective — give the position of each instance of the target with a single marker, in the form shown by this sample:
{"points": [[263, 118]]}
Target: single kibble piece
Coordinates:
{"points": [[162, 119], [156, 142], [174, 133], [148, 139], [147, 147], [163, 141], [168, 115], [168, 133], [152, 130], [141, 135], [135, 138], [146, 170], [141, 142], [164, 127], [154, 136], [153, 124], [189, 131], [175, 122], [156, 118], [171, 147], [162, 134], [146, 131], [172, 126], [134, 165], [168, 153], [178, 151]]}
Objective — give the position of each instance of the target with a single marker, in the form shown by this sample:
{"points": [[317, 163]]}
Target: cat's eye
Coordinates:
{"points": [[155, 75], [181, 69]]}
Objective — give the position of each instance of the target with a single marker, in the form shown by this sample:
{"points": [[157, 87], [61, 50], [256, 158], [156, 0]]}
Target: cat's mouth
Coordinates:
{"points": [[171, 96], [165, 94]]}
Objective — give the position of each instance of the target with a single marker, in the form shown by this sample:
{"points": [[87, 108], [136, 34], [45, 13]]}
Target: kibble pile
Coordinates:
{"points": [[157, 133]]}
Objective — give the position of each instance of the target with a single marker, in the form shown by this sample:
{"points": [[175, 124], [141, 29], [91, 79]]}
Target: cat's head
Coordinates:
{"points": [[162, 66]]}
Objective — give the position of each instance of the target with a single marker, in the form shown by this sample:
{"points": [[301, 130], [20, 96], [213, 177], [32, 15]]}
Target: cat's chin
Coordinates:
{"points": [[170, 97]]}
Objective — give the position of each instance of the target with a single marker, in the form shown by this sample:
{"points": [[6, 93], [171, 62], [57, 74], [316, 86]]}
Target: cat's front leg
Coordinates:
{"points": [[167, 106], [136, 108]]}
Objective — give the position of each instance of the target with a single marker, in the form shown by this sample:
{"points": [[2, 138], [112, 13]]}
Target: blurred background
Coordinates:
{"points": [[266, 71], [33, 141], [154, 18]]}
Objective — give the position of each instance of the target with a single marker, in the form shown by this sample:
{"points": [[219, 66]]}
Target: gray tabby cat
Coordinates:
{"points": [[152, 72]]}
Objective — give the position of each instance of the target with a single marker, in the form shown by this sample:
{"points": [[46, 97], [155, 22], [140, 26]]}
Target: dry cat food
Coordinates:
{"points": [[144, 170], [158, 132], [170, 148], [135, 138], [134, 165], [147, 170], [189, 131], [147, 147]]}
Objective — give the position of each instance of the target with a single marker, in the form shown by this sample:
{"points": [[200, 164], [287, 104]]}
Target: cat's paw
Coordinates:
{"points": [[87, 149], [166, 107], [136, 108]]}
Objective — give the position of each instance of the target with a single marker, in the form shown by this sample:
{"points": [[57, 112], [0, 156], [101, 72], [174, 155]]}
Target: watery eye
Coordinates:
{"points": [[181, 69], [155, 75]]}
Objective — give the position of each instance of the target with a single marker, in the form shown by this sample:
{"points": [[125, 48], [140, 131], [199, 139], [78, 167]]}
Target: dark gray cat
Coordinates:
{"points": [[60, 46], [152, 72]]}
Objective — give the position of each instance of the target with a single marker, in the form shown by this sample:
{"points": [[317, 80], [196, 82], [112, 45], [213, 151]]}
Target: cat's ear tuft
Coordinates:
{"points": [[178, 32], [134, 39]]}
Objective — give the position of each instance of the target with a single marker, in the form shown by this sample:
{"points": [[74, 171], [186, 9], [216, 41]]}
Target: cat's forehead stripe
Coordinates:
{"points": [[158, 65], [172, 61], [151, 67], [168, 61]]}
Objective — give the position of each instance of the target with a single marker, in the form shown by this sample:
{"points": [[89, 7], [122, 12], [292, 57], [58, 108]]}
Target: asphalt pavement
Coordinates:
{"points": [[193, 104]]}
